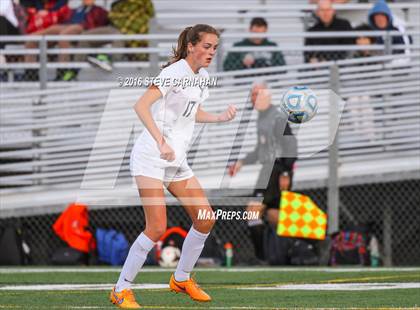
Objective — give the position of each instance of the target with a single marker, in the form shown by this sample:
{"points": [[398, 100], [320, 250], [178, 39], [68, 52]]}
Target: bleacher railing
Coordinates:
{"points": [[160, 46], [48, 138], [52, 132]]}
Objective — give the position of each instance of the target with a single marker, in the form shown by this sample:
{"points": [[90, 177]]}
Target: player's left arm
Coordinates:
{"points": [[205, 117]]}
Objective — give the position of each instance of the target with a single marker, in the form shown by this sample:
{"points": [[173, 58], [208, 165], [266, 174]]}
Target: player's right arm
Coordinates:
{"points": [[142, 108]]}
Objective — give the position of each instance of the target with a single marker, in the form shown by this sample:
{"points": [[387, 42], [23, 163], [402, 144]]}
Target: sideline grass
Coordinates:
{"points": [[222, 286]]}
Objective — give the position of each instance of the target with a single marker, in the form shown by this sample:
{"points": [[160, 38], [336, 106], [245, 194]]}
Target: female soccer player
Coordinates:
{"points": [[158, 158]]}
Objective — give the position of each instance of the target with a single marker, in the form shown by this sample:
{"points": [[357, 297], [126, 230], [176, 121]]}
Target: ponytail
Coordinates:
{"points": [[189, 35]]}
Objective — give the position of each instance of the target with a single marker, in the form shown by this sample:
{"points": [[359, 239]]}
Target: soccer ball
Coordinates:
{"points": [[300, 104], [169, 256]]}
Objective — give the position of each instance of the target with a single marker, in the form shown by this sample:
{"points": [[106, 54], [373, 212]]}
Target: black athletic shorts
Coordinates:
{"points": [[272, 193]]}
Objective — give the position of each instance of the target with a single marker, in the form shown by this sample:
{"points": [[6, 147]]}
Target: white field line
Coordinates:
{"points": [[169, 307], [5, 270], [221, 308], [77, 287], [293, 287], [337, 287], [189, 307]]}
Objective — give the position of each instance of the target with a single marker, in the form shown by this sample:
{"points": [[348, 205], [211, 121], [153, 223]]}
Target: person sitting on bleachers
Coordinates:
{"points": [[257, 59], [70, 22], [12, 23], [132, 17], [121, 17], [42, 15], [327, 21], [380, 18], [86, 17], [364, 40]]}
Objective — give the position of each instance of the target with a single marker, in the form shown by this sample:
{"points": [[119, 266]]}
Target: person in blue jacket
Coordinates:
{"points": [[380, 18]]}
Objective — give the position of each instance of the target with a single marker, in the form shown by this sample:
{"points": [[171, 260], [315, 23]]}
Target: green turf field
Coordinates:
{"points": [[246, 288]]}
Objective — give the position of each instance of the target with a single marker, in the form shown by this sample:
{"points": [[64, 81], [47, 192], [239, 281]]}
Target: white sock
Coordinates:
{"points": [[191, 250], [135, 260]]}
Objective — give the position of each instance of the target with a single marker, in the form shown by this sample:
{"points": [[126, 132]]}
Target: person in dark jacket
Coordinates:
{"points": [[258, 59], [380, 18], [327, 21], [276, 150]]}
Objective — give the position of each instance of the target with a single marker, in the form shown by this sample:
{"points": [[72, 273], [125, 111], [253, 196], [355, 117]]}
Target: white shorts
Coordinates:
{"points": [[145, 160]]}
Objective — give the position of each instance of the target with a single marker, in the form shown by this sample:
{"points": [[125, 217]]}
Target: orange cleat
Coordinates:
{"points": [[124, 299], [189, 287]]}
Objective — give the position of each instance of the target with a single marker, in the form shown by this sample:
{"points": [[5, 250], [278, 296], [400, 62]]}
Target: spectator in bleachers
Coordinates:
{"points": [[11, 20], [86, 17], [102, 61], [61, 20], [276, 150], [381, 18], [258, 59], [327, 21], [125, 17], [364, 40], [132, 17], [42, 14], [12, 23]]}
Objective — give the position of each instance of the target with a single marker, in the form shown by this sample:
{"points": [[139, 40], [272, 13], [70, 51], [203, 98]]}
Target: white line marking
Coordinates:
{"points": [[214, 307], [113, 269], [150, 286], [190, 307], [77, 287], [337, 287]]}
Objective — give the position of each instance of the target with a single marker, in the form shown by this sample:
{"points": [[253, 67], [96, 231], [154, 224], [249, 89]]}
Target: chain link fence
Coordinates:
{"points": [[389, 211]]}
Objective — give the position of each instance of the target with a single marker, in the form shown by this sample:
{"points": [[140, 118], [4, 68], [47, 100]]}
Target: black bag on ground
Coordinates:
{"points": [[69, 256], [303, 253], [276, 248], [14, 250]]}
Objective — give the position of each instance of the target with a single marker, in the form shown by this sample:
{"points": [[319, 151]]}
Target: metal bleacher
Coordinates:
{"points": [[72, 140], [287, 17], [57, 138]]}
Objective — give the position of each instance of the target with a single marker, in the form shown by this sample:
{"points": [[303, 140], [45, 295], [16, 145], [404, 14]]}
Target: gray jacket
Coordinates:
{"points": [[276, 142]]}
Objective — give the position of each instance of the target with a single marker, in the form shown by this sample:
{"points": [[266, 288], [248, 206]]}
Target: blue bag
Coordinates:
{"points": [[112, 246]]}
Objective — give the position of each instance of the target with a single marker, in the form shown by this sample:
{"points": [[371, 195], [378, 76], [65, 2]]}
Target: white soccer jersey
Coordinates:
{"points": [[174, 115]]}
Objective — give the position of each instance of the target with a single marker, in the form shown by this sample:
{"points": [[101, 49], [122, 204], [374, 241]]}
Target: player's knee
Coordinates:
{"points": [[155, 232], [204, 226], [160, 231]]}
